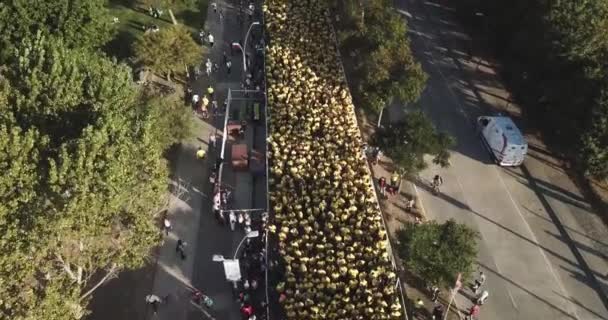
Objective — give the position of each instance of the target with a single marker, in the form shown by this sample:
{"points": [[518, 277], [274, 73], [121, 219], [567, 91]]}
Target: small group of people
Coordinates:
{"points": [[155, 12], [180, 246], [253, 262], [438, 311], [201, 104], [389, 189], [480, 298], [243, 219]]}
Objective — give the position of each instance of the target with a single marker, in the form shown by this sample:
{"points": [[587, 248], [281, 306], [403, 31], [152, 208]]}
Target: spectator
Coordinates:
{"points": [[166, 226]]}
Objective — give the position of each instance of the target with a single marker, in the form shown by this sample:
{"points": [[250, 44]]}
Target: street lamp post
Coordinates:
{"points": [[251, 234], [255, 23], [233, 263]]}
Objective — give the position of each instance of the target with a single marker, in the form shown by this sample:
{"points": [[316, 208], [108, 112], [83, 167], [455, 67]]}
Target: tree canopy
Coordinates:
{"points": [[78, 23], [555, 56], [81, 153], [168, 50], [385, 68], [408, 141], [438, 252]]}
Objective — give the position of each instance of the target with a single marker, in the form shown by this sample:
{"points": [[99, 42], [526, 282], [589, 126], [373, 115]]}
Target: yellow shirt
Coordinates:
{"points": [[394, 178], [210, 90], [200, 154]]}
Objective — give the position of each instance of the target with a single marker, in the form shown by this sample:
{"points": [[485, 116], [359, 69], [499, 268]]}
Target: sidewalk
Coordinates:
{"points": [[191, 216], [395, 213]]}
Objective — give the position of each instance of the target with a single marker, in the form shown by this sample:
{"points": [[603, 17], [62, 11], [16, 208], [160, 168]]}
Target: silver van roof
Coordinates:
{"points": [[510, 130]]}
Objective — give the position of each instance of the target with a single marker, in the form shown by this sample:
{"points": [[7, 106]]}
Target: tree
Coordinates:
{"points": [[407, 142], [385, 69], [84, 176], [168, 50], [79, 23], [438, 252], [555, 56], [594, 155]]}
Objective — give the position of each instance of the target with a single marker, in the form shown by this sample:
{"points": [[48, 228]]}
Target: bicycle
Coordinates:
{"points": [[435, 187], [201, 299]]}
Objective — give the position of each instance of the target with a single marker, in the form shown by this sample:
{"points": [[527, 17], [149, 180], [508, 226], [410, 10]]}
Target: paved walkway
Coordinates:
{"points": [[190, 212]]}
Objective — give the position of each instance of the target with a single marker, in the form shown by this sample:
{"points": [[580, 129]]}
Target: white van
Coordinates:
{"points": [[503, 139]]}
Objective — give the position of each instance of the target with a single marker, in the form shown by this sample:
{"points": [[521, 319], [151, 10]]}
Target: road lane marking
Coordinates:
{"points": [[535, 241]]}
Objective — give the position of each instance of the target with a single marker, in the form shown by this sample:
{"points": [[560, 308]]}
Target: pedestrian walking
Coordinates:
{"points": [[241, 218], [214, 6], [208, 66], [473, 312], [200, 153], [216, 209], [224, 57], [210, 39], [154, 301], [204, 105], [247, 223], [180, 248], [195, 99], [217, 199], [435, 294], [197, 72], [166, 226], [479, 282], [221, 15], [212, 177], [395, 180], [418, 307], [214, 108], [409, 205], [382, 185], [210, 91], [247, 311], [438, 312], [212, 138], [232, 219], [188, 94], [375, 155], [483, 297], [228, 66]]}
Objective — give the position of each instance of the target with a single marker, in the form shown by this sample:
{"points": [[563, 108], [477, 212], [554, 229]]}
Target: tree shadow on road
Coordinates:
{"points": [[532, 294]]}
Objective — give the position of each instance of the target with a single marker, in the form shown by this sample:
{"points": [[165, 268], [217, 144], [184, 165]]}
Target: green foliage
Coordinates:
{"points": [[79, 23], [168, 50], [84, 174], [408, 141], [555, 55], [438, 252], [172, 121], [595, 141], [384, 68]]}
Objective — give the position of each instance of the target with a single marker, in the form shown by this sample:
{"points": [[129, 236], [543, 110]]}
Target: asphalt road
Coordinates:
{"points": [[542, 247]]}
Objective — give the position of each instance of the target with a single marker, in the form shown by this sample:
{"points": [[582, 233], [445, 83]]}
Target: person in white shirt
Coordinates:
{"points": [[195, 99], [167, 226], [483, 297], [232, 219]]}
